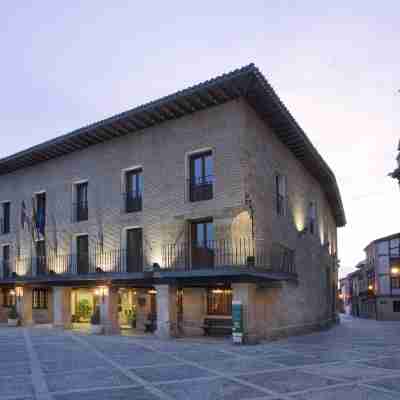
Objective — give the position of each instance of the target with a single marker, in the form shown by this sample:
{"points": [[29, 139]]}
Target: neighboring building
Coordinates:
{"points": [[376, 283], [165, 214], [396, 173]]}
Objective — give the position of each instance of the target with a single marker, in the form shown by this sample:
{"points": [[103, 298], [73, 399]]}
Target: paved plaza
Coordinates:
{"points": [[358, 360]]}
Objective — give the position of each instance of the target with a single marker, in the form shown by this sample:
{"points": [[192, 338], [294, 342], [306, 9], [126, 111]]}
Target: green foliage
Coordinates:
{"points": [[84, 309], [12, 313]]}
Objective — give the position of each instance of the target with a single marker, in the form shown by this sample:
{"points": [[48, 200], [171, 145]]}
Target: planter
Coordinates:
{"points": [[12, 322], [96, 329]]}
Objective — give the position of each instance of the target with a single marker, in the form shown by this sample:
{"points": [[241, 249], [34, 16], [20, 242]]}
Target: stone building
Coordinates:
{"points": [[376, 282], [164, 215]]}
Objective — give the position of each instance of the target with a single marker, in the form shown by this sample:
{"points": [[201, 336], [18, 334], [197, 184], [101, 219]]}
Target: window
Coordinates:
{"points": [[82, 254], [312, 217], [8, 298], [134, 190], [6, 261], [41, 213], [201, 176], [395, 282], [396, 306], [5, 220], [39, 298], [219, 301], [280, 189], [81, 205]]}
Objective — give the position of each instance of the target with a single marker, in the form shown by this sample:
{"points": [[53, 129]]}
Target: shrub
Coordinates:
{"points": [[12, 313], [84, 309]]}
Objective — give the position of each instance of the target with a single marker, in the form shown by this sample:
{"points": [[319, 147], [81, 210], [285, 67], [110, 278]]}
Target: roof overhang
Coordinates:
{"points": [[247, 82]]}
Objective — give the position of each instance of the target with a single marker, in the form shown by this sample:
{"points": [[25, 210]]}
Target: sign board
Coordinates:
{"points": [[237, 320]]}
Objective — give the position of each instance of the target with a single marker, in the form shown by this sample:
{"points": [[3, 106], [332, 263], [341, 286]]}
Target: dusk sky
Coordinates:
{"points": [[336, 67]]}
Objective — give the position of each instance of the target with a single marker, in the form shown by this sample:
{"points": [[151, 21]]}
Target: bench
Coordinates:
{"points": [[217, 326]]}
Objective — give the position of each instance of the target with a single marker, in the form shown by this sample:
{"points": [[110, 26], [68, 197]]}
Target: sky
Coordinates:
{"points": [[336, 67]]}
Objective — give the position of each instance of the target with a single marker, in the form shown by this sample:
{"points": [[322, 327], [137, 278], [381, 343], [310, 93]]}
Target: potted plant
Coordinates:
{"points": [[132, 317], [96, 328], [13, 317], [83, 310]]}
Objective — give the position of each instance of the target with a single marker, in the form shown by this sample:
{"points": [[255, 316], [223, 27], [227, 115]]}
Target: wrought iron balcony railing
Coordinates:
{"points": [[132, 201], [80, 211], [227, 253], [201, 188], [113, 261]]}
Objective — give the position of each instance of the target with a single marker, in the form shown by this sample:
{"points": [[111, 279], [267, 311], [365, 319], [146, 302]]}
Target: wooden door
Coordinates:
{"points": [[134, 250], [82, 246]]}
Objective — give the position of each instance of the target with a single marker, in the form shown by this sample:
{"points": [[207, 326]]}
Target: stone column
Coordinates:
{"points": [[166, 311], [24, 305], [246, 294], [62, 307], [109, 311]]}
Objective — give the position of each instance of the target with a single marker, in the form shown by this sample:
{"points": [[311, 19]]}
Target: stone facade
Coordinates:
{"points": [[247, 156]]}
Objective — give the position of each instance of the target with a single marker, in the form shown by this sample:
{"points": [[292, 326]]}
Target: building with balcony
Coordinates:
{"points": [[164, 215], [376, 282]]}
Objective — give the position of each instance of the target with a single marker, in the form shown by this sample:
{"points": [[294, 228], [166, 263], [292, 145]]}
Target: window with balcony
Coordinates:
{"points": [[82, 254], [280, 193], [39, 298], [41, 264], [312, 217], [6, 261], [203, 242], [201, 176], [5, 219], [81, 206], [134, 190]]}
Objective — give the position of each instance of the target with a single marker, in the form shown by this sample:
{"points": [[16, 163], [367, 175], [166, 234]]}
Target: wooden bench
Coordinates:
{"points": [[217, 326]]}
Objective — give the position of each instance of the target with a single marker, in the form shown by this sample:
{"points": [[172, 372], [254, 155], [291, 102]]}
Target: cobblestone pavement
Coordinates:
{"points": [[358, 360]]}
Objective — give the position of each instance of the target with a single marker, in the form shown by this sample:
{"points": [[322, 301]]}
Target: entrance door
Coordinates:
{"points": [[82, 247], [134, 250], [202, 234]]}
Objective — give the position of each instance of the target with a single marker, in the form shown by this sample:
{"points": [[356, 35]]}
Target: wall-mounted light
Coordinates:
{"points": [[370, 287], [394, 270], [101, 291], [12, 292], [303, 231], [152, 291]]}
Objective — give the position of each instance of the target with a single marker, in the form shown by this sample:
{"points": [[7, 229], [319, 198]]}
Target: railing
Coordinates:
{"points": [[80, 211], [201, 188], [113, 261], [4, 226], [215, 254], [132, 201]]}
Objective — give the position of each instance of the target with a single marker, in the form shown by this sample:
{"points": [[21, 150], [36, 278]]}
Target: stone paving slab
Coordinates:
{"points": [[347, 392], [358, 360], [100, 377], [216, 389]]}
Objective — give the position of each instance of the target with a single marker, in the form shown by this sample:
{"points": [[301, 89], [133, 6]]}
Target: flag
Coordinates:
{"points": [[24, 218]]}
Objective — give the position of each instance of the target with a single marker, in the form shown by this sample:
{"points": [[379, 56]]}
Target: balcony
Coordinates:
{"points": [[227, 253], [108, 262], [201, 188], [80, 211], [132, 202]]}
